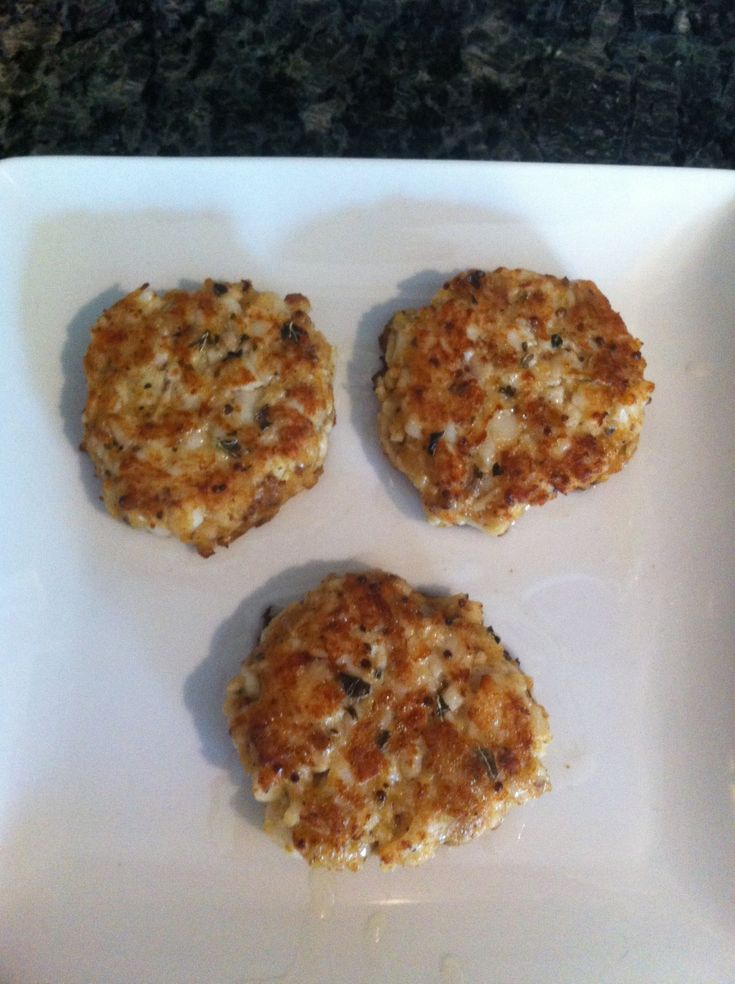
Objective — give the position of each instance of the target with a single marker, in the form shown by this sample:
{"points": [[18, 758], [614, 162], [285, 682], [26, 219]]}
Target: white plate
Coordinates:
{"points": [[131, 848]]}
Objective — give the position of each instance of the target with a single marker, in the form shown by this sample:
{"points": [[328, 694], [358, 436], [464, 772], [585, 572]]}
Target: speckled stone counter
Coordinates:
{"points": [[638, 81]]}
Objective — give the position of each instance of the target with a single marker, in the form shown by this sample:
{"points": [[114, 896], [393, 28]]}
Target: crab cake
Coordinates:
{"points": [[375, 718], [207, 410], [508, 388]]}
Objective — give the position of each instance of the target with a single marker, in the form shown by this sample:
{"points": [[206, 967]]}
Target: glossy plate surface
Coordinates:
{"points": [[131, 849]]}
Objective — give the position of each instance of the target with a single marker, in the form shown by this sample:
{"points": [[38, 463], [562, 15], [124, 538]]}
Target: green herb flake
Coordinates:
{"points": [[231, 446], [487, 758], [353, 686], [263, 417], [205, 339], [434, 439], [292, 333], [442, 707]]}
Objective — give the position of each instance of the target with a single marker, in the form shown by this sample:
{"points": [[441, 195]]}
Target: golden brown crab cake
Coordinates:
{"points": [[508, 388], [207, 410], [376, 718]]}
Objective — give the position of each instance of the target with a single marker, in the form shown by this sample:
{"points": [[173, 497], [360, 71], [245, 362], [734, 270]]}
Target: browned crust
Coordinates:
{"points": [[299, 740], [139, 417], [432, 380]]}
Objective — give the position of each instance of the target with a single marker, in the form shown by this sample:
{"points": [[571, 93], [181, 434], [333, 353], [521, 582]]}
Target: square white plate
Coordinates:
{"points": [[131, 847]]}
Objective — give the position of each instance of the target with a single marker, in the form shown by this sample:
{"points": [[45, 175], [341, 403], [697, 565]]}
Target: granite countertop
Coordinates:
{"points": [[618, 81]]}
